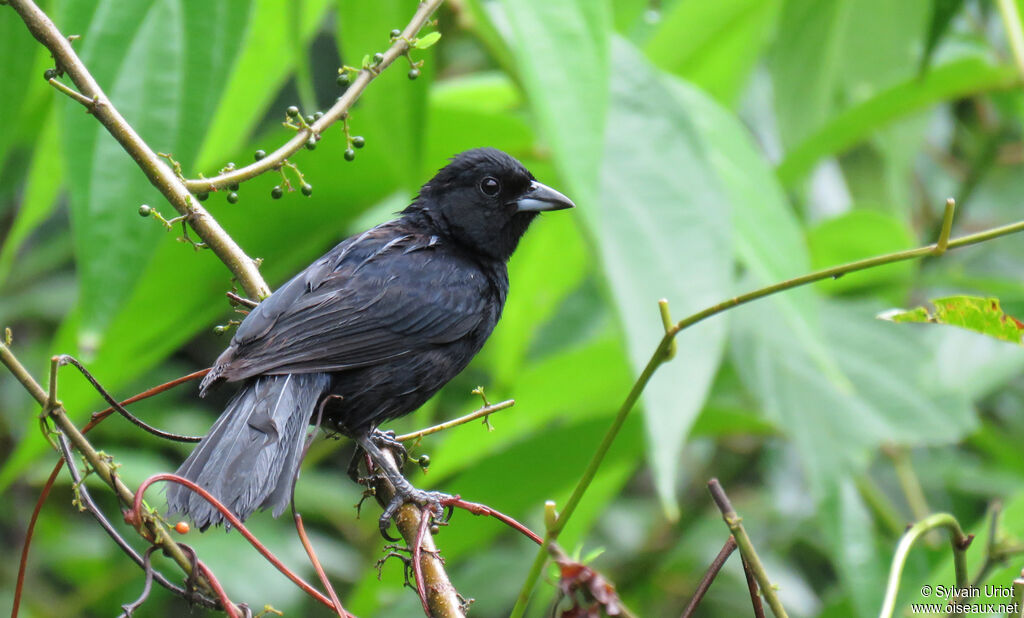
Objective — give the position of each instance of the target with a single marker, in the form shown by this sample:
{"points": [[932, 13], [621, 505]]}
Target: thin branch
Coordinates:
{"points": [[959, 541], [442, 597], [137, 512], [484, 411], [417, 557], [482, 509], [301, 530], [746, 546], [97, 418], [709, 576], [660, 353], [339, 111], [755, 598], [163, 178], [153, 528]]}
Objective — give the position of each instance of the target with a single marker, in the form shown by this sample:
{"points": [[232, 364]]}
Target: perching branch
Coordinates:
{"points": [[661, 354], [750, 559]]}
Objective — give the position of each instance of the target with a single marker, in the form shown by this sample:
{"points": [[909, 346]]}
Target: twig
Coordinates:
{"points": [[746, 546], [86, 502], [660, 353], [709, 576], [158, 533], [959, 541], [147, 566], [755, 598], [442, 597], [213, 235], [65, 359], [301, 529], [338, 111], [482, 509], [417, 556], [97, 418], [137, 513], [484, 411]]}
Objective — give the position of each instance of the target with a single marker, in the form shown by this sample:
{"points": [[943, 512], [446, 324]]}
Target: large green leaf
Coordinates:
{"points": [[266, 60], [713, 45], [836, 426], [42, 187], [957, 78], [662, 229], [22, 89], [562, 51], [805, 64], [161, 63]]}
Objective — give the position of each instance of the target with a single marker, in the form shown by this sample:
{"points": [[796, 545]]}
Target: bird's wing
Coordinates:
{"points": [[373, 298]]}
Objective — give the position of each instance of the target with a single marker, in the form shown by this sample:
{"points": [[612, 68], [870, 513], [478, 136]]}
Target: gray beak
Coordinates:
{"points": [[541, 198]]}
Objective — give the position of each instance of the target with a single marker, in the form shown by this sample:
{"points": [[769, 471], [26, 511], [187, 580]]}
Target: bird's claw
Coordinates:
{"points": [[428, 501]]}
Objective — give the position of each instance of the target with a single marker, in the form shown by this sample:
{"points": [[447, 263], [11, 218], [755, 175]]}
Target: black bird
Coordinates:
{"points": [[365, 334]]}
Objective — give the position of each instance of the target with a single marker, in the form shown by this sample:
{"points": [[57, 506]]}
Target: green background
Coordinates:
{"points": [[712, 147]]}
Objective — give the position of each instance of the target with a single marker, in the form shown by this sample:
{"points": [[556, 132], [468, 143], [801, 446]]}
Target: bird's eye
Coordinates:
{"points": [[490, 186]]}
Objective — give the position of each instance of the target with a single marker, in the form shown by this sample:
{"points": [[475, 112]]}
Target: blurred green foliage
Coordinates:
{"points": [[712, 147]]}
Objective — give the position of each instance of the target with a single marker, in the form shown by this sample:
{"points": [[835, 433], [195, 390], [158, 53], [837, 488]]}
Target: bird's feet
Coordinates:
{"points": [[429, 502]]}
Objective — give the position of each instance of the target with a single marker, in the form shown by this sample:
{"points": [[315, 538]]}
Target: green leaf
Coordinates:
{"points": [[837, 427], [805, 64], [23, 92], [266, 60], [391, 115], [660, 237], [427, 40], [943, 12], [981, 315], [714, 45], [561, 50], [849, 531], [952, 80], [44, 183], [162, 63]]}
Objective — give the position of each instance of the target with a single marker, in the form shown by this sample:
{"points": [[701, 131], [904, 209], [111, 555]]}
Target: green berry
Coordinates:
{"points": [[232, 198], [307, 189], [259, 154], [414, 73], [311, 144], [343, 79], [219, 330], [292, 111], [378, 58], [358, 141], [309, 119], [318, 116], [145, 210], [49, 74], [424, 461], [202, 196], [396, 33], [233, 186], [276, 192], [350, 154]]}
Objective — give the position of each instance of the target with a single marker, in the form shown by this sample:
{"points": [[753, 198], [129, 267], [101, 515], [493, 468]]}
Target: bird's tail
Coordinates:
{"points": [[250, 457]]}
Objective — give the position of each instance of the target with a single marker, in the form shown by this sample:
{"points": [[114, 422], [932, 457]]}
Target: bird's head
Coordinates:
{"points": [[485, 199]]}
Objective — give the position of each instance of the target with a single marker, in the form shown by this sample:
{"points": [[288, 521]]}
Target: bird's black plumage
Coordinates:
{"points": [[382, 321]]}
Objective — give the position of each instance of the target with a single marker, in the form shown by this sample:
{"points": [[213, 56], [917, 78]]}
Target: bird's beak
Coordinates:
{"points": [[541, 198]]}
